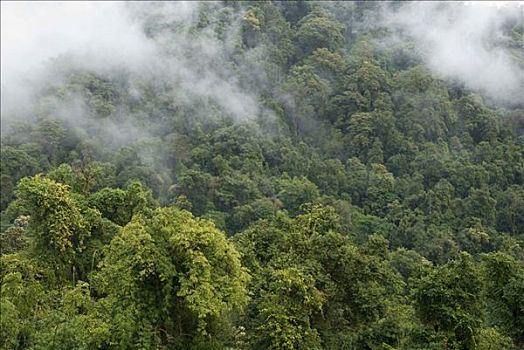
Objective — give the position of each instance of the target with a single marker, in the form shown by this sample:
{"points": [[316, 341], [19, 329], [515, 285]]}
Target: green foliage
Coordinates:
{"points": [[286, 307], [373, 204], [16, 164], [504, 278], [168, 279], [76, 324], [448, 300], [86, 177], [296, 191], [318, 30], [355, 291], [25, 300], [56, 223], [119, 205], [15, 237]]}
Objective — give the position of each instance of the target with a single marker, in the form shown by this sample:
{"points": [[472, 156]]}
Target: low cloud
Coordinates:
{"points": [[466, 42], [109, 37]]}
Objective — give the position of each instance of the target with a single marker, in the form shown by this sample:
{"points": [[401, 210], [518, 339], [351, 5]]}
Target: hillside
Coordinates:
{"points": [[269, 175]]}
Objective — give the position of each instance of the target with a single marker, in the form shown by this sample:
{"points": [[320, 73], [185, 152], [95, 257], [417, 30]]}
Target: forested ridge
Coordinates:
{"points": [[287, 175]]}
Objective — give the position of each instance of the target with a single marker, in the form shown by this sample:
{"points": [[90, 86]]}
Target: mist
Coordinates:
{"points": [[153, 43], [33, 33], [464, 42], [110, 38]]}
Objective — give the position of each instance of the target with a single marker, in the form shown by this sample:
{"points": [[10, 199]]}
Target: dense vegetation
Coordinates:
{"points": [[368, 205]]}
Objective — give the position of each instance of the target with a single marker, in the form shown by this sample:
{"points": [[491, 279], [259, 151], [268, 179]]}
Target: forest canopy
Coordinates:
{"points": [[262, 175]]}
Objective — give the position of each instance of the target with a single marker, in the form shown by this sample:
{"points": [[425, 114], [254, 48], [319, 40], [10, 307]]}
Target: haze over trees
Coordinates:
{"points": [[263, 175]]}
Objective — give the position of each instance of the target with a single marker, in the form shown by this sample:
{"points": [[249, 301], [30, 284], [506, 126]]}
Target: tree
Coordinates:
{"points": [[171, 280], [56, 223], [15, 237], [65, 231], [510, 210], [16, 164], [194, 184], [318, 30], [481, 205], [314, 288], [448, 301], [25, 298], [380, 191], [119, 205], [504, 279], [286, 306], [293, 192], [51, 135]]}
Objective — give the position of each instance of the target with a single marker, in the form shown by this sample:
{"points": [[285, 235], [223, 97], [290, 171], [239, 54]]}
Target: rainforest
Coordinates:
{"points": [[262, 175]]}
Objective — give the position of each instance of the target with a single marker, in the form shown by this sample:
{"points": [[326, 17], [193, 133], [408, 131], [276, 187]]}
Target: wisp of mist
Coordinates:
{"points": [[463, 41]]}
